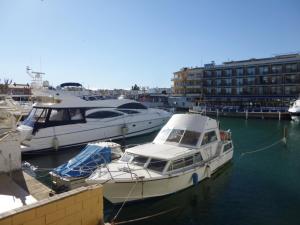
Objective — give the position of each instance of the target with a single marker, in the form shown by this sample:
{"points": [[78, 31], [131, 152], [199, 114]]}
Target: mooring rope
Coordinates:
{"points": [[145, 217], [263, 148], [123, 204]]}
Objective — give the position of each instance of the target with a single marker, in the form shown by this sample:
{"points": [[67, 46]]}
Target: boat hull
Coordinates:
{"points": [[79, 134], [132, 190]]}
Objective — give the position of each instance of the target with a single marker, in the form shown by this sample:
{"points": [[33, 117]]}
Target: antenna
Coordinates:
{"points": [[37, 77]]}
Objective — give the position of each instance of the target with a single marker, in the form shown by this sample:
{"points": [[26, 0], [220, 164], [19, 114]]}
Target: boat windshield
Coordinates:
{"points": [[126, 157], [184, 137], [134, 159], [139, 160], [36, 115]]}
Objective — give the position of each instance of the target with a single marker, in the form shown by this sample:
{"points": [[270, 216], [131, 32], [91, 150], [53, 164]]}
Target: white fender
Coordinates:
{"points": [[208, 171], [55, 143]]}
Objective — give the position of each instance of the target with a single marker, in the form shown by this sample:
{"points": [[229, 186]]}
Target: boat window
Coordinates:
{"points": [[157, 165], [175, 136], [188, 161], [181, 163], [139, 160], [103, 115], [36, 115], [76, 114], [227, 147], [133, 105], [190, 138], [59, 115], [128, 111], [197, 157], [209, 137], [185, 137], [126, 157], [177, 164]]}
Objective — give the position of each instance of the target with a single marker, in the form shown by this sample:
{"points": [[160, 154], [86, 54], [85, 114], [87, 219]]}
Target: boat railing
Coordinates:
{"points": [[125, 168]]}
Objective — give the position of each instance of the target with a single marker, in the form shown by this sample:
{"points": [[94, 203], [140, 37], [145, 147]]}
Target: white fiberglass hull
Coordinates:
{"points": [[117, 191], [78, 134]]}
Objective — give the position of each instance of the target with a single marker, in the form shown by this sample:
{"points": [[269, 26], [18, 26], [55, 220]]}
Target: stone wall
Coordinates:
{"points": [[82, 206]]}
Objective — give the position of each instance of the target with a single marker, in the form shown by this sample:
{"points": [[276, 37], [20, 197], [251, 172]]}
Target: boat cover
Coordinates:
{"points": [[83, 164]]}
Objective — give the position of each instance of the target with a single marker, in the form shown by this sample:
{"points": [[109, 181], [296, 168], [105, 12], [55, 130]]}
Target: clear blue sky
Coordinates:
{"points": [[115, 44]]}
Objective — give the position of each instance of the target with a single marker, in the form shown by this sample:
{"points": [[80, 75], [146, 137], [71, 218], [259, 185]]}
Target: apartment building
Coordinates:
{"points": [[273, 82]]}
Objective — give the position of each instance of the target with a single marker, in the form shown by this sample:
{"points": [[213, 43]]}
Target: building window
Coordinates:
{"points": [[290, 68], [219, 73], [218, 82], [276, 90], [263, 70], [239, 81], [251, 80], [291, 90], [218, 91], [264, 79], [208, 73], [251, 70], [240, 72], [190, 76], [239, 91], [291, 79], [276, 69], [228, 72], [228, 82], [228, 91], [260, 90], [275, 79]]}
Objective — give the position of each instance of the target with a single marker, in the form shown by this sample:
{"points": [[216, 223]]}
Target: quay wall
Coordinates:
{"points": [[81, 206]]}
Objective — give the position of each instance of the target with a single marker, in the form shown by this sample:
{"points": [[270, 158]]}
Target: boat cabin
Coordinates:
{"points": [[50, 115], [186, 141]]}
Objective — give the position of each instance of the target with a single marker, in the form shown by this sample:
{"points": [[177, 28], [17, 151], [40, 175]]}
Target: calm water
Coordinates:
{"points": [[258, 188]]}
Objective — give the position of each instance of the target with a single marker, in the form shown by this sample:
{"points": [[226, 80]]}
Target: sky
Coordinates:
{"points": [[118, 43]]}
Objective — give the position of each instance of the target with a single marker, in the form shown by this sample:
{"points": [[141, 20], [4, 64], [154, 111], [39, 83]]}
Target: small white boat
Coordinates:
{"points": [[188, 149], [76, 122], [294, 110], [73, 173]]}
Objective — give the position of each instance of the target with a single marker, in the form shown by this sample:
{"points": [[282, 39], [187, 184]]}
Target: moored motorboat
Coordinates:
{"points": [[188, 149], [72, 174], [76, 122], [294, 110]]}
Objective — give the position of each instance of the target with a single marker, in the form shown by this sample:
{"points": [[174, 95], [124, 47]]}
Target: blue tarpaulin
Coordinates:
{"points": [[83, 164]]}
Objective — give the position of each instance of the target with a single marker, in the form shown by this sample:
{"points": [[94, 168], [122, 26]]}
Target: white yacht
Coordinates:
{"points": [[294, 110], [188, 149], [75, 122]]}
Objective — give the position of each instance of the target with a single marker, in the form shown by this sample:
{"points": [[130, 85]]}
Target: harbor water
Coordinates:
{"points": [[260, 186]]}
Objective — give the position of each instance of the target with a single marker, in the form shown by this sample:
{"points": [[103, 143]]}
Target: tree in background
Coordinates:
{"points": [[135, 88], [4, 85]]}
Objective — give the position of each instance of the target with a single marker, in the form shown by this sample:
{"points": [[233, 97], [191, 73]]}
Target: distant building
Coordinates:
{"points": [[272, 81], [187, 87], [19, 92]]}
